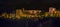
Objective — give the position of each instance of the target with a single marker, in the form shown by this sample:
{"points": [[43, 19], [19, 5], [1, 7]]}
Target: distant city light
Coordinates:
{"points": [[32, 13]]}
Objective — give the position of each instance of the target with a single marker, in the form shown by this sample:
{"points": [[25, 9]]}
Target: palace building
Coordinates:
{"points": [[32, 13]]}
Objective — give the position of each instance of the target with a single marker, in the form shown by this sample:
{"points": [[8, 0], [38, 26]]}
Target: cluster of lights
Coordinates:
{"points": [[32, 13]]}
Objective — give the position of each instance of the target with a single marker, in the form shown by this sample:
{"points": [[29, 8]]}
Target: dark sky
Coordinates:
{"points": [[39, 4], [28, 3]]}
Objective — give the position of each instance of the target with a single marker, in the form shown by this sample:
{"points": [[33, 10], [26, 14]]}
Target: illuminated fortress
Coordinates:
{"points": [[21, 13]]}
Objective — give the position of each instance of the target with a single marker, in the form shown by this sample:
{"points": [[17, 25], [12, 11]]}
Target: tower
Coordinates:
{"points": [[52, 10]]}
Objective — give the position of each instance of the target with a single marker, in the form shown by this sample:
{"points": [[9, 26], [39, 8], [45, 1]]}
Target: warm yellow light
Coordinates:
{"points": [[5, 15], [11, 15], [46, 14]]}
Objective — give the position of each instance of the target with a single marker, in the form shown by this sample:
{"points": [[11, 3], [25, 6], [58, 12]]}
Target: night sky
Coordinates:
{"points": [[28, 3], [10, 5]]}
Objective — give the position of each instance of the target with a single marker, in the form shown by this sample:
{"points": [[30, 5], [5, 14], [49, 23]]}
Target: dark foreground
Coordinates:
{"points": [[46, 22]]}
